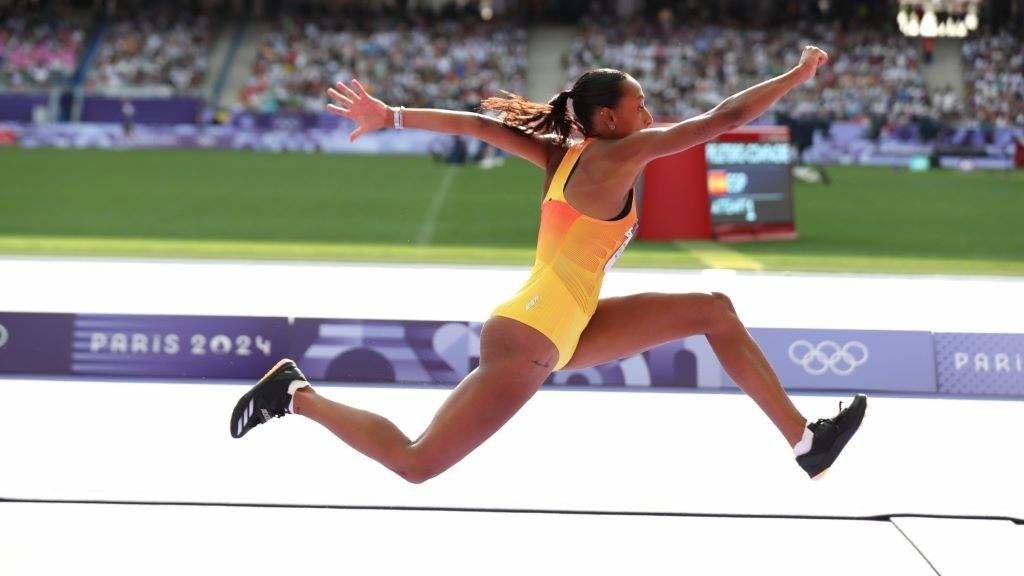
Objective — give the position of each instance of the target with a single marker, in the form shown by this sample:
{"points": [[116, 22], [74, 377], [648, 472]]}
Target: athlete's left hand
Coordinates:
{"points": [[357, 105], [810, 59]]}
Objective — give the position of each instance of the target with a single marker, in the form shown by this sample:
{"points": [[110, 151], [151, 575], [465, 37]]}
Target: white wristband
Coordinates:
{"points": [[399, 124]]}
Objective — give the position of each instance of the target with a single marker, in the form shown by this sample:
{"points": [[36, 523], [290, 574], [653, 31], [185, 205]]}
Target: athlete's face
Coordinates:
{"points": [[630, 115]]}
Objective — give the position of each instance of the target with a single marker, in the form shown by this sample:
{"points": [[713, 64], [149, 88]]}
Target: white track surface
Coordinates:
{"points": [[706, 453], [763, 300]]}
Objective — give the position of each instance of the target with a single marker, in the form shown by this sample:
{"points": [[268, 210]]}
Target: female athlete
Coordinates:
{"points": [[556, 321]]}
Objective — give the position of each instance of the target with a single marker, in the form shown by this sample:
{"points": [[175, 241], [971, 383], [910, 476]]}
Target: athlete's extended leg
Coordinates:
{"points": [[628, 325], [515, 360]]}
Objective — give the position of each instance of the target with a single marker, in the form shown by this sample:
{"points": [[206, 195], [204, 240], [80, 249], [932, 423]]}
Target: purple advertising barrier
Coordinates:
{"points": [[670, 365], [980, 363], [686, 363], [288, 120], [177, 346], [180, 110], [420, 352], [373, 351], [111, 135], [35, 343], [890, 361], [16, 107]]}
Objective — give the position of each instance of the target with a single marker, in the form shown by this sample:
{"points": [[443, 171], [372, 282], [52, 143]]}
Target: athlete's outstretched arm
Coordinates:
{"points": [[371, 114], [735, 111]]}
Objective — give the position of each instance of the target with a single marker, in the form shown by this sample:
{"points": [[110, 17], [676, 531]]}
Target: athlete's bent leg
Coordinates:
{"points": [[515, 360], [628, 325]]}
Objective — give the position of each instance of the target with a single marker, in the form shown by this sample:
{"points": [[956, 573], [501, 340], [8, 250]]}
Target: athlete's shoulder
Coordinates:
{"points": [[556, 150]]}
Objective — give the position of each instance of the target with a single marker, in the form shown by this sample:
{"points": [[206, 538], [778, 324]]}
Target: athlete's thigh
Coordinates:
{"points": [[627, 325], [515, 360]]}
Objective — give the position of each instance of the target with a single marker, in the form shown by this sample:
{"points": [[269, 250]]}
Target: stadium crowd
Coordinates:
{"points": [[37, 52], [158, 51], [688, 70], [994, 79], [456, 59], [451, 63]]}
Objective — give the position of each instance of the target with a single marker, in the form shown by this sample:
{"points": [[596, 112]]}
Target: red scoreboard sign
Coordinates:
{"points": [[736, 187]]}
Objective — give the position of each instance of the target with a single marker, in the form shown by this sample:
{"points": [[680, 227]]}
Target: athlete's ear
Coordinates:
{"points": [[607, 117]]}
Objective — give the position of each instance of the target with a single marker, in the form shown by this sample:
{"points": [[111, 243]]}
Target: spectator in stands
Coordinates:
{"points": [[687, 70], [158, 51], [452, 63], [994, 79], [37, 50]]}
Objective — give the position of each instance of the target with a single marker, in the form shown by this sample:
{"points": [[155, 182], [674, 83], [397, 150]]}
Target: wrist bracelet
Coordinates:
{"points": [[399, 124]]}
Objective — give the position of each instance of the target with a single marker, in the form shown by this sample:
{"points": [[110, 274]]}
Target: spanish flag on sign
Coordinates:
{"points": [[717, 185]]}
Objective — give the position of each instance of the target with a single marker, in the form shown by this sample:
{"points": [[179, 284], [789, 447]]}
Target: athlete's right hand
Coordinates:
{"points": [[357, 105], [810, 60]]}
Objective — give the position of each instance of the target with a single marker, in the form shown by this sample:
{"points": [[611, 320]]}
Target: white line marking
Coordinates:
{"points": [[430, 220]]}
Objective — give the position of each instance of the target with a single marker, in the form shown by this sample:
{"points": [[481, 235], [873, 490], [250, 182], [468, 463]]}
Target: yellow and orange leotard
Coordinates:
{"points": [[573, 253]]}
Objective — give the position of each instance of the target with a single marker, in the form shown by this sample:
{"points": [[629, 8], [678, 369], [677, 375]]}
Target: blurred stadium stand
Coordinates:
{"points": [[883, 97], [447, 63], [38, 50]]}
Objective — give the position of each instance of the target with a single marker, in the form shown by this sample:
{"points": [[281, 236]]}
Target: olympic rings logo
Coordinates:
{"points": [[3, 335], [816, 360]]}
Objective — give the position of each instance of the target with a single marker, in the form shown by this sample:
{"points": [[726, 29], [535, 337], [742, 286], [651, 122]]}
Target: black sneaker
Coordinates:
{"points": [[830, 436], [269, 398]]}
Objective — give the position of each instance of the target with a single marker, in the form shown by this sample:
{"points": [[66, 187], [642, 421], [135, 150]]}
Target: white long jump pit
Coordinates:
{"points": [[142, 477]]}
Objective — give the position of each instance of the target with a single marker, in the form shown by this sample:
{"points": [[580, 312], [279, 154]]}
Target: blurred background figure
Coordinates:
{"points": [[127, 117]]}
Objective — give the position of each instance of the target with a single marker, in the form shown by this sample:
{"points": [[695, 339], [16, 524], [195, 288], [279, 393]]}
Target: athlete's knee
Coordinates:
{"points": [[724, 301], [721, 312], [415, 475], [418, 467]]}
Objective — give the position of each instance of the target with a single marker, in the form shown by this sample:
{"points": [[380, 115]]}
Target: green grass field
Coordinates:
{"points": [[407, 209]]}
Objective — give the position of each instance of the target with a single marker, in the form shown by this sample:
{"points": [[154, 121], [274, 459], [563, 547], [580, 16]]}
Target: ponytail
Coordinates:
{"points": [[594, 89], [533, 118]]}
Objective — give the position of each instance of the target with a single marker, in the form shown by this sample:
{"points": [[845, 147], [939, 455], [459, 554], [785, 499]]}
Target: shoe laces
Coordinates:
{"points": [[827, 421]]}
